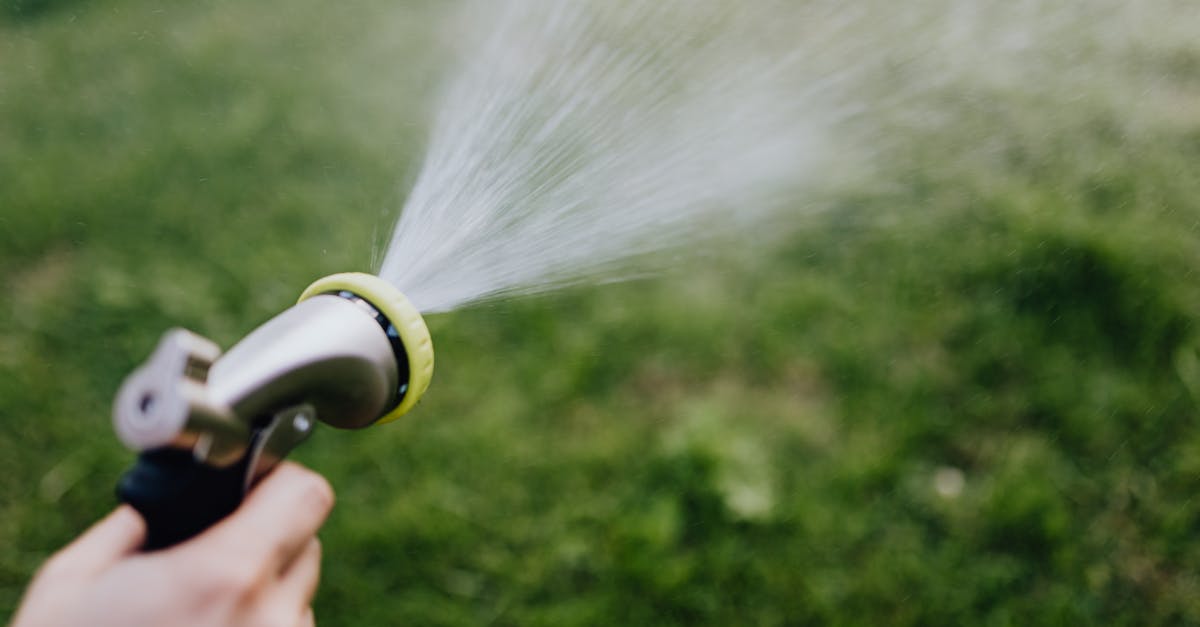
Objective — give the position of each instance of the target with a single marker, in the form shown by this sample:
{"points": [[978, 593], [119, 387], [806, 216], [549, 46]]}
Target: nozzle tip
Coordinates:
{"points": [[405, 318]]}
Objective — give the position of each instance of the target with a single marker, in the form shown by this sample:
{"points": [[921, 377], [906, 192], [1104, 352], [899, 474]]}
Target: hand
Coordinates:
{"points": [[258, 567]]}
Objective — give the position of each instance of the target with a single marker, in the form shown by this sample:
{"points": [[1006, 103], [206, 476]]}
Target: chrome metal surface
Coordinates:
{"points": [[326, 353]]}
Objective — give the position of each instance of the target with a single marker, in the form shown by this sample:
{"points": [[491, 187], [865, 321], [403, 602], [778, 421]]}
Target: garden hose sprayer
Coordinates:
{"points": [[352, 353]]}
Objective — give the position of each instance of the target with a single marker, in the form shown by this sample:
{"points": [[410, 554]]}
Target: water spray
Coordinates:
{"points": [[577, 142], [353, 352]]}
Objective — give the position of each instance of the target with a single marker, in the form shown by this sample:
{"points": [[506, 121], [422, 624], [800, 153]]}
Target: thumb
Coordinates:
{"points": [[118, 535]]}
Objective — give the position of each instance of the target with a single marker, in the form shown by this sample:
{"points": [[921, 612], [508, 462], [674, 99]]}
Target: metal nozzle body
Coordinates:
{"points": [[354, 352], [327, 352]]}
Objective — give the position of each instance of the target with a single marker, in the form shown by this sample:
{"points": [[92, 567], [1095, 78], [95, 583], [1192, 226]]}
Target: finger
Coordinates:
{"points": [[118, 535], [278, 518], [308, 619], [298, 584]]}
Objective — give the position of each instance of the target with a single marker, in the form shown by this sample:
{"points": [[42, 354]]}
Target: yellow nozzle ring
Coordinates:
{"points": [[402, 314]]}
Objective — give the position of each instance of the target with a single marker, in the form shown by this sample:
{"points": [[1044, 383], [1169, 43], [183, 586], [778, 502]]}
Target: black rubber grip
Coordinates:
{"points": [[179, 497]]}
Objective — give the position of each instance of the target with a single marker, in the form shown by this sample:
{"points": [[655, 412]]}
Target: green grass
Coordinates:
{"points": [[752, 442]]}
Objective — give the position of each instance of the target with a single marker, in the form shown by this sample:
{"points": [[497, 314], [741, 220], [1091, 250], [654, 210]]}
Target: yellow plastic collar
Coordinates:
{"points": [[403, 315]]}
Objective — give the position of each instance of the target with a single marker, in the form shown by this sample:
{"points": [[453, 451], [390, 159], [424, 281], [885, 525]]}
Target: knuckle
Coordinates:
{"points": [[316, 548], [232, 577], [316, 493], [276, 615], [243, 579]]}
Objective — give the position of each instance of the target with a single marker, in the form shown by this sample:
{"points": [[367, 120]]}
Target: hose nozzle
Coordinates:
{"points": [[353, 350]]}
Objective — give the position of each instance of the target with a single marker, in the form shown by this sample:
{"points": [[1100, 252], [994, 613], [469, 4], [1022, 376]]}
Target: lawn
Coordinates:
{"points": [[964, 393]]}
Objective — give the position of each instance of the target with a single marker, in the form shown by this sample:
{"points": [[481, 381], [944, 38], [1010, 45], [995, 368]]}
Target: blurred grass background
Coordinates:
{"points": [[982, 410]]}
